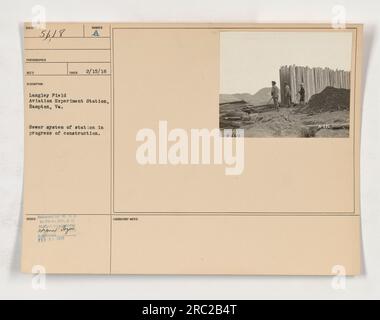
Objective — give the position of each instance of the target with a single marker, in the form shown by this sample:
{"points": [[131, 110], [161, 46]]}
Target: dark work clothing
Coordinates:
{"points": [[302, 94]]}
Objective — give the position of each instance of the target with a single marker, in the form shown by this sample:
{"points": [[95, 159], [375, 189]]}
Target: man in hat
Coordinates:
{"points": [[275, 93]]}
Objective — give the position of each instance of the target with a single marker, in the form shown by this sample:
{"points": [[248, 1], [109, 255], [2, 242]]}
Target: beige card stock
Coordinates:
{"points": [[166, 149]]}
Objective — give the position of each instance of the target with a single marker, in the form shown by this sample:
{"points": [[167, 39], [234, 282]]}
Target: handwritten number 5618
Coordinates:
{"points": [[49, 34]]}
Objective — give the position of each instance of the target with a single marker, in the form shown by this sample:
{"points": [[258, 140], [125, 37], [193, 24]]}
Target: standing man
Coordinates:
{"points": [[275, 92], [302, 94], [288, 95]]}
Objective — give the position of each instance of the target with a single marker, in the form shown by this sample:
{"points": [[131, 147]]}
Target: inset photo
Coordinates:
{"points": [[286, 84]]}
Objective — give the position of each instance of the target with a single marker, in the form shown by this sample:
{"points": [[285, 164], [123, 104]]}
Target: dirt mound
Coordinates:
{"points": [[330, 99]]}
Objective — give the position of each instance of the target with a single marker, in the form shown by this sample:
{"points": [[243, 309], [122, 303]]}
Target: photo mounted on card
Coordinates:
{"points": [[285, 84], [192, 148]]}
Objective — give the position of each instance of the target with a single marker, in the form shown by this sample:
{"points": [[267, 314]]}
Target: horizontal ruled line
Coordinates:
{"points": [[67, 61], [115, 215], [79, 37], [67, 75], [108, 49]]}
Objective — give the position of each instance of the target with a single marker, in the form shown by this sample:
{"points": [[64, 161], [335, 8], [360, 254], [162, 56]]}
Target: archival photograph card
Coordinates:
{"points": [[192, 148]]}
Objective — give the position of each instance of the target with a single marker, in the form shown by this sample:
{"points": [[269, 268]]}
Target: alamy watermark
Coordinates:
{"points": [[39, 277], [39, 17], [339, 280], [338, 17], [191, 147]]}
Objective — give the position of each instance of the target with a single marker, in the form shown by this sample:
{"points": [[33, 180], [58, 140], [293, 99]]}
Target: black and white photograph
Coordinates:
{"points": [[286, 84]]}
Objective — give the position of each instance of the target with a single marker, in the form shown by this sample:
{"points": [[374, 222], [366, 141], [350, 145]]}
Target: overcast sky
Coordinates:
{"points": [[249, 61]]}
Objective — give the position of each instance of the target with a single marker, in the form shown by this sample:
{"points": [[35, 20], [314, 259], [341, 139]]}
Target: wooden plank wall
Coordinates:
{"points": [[314, 80]]}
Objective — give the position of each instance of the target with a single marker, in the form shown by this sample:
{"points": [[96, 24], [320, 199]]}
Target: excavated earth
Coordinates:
{"points": [[326, 115]]}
